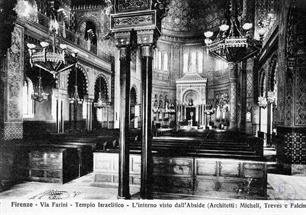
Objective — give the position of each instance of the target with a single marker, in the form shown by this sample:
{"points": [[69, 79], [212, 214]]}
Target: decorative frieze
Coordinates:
{"points": [[133, 20]]}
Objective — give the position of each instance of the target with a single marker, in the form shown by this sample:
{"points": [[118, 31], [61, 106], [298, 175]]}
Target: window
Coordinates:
{"points": [[200, 61], [84, 110], [186, 58], [28, 103], [193, 62], [165, 63], [221, 65], [159, 62]]}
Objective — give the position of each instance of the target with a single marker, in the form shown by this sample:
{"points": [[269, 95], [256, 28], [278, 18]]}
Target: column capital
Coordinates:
{"points": [[123, 39], [123, 42], [145, 37]]}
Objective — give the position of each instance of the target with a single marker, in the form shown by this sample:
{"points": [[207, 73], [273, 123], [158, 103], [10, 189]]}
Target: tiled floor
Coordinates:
{"points": [[280, 187]]}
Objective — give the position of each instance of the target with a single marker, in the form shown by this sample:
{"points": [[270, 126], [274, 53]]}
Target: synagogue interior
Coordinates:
{"points": [[153, 99]]}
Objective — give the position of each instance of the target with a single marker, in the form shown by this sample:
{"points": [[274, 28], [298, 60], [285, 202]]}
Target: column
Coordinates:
{"points": [[89, 114], [60, 97], [233, 97], [243, 96], [145, 40], [291, 120], [123, 42]]}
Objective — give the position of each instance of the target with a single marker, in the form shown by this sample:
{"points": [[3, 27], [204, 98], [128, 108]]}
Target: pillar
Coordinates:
{"points": [[291, 117], [145, 40], [89, 120], [123, 43], [243, 96], [233, 97], [12, 69]]}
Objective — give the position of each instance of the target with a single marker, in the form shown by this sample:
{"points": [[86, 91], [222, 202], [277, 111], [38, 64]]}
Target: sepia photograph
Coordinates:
{"points": [[152, 105]]}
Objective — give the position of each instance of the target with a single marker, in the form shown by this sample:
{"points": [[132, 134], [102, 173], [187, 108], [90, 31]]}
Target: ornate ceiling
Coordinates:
{"points": [[193, 17]]}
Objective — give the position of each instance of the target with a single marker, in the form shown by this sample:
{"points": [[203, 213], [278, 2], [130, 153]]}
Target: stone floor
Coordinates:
{"points": [[280, 187]]}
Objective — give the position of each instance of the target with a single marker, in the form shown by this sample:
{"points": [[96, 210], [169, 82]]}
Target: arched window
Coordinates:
{"points": [[165, 62], [28, 103], [159, 56], [200, 61], [89, 32], [221, 64], [186, 58], [193, 62], [101, 90]]}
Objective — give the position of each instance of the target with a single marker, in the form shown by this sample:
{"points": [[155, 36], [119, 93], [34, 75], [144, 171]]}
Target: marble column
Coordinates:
{"points": [[12, 69], [243, 97], [123, 43], [89, 113], [233, 97], [145, 40]]}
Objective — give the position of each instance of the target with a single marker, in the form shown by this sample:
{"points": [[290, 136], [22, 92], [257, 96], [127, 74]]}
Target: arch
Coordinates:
{"points": [[108, 84], [191, 94], [28, 105], [89, 18], [101, 85], [81, 78], [133, 93]]}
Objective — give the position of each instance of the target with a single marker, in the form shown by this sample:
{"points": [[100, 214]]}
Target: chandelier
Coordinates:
{"points": [[75, 98], [101, 102], [39, 95], [233, 41], [55, 57]]}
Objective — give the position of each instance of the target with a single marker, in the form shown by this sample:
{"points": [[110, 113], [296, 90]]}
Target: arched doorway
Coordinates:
{"points": [[101, 113], [191, 101], [77, 92]]}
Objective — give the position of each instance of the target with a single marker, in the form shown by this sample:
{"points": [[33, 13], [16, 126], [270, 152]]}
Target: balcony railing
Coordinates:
{"points": [[74, 38]]}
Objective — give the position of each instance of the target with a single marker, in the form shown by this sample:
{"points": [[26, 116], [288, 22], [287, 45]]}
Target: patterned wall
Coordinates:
{"points": [[194, 15], [292, 145], [13, 128], [291, 149]]}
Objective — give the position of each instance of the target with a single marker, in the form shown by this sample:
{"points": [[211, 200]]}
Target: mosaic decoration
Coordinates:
{"points": [[300, 97], [13, 128], [13, 131], [289, 74], [300, 68], [194, 15], [249, 84], [295, 148]]}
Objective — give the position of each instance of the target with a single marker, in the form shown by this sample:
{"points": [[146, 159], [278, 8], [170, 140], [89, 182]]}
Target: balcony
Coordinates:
{"points": [[74, 38]]}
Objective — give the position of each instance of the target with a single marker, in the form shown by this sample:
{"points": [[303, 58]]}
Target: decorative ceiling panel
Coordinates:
{"points": [[194, 16]]}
